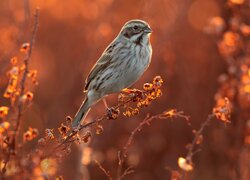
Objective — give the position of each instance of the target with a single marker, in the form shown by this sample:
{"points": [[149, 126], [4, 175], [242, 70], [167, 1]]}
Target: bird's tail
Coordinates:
{"points": [[81, 113]]}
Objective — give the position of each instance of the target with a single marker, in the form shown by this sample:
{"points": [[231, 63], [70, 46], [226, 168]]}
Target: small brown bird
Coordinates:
{"points": [[121, 64]]}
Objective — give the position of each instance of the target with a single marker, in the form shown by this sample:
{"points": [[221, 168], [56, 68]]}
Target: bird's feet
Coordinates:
{"points": [[109, 112], [76, 128]]}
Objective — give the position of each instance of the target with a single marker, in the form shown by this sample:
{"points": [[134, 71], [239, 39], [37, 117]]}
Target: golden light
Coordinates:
{"points": [[86, 155], [4, 111], [4, 126], [48, 166], [104, 29], [247, 88], [184, 164], [170, 113], [201, 11], [237, 1]]}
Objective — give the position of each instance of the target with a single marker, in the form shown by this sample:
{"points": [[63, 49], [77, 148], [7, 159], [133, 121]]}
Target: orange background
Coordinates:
{"points": [[71, 37]]}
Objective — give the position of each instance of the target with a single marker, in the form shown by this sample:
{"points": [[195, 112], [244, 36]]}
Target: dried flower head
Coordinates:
{"points": [[30, 134], [175, 175], [170, 113], [13, 60], [33, 75], [25, 47], [223, 110], [8, 93], [131, 112], [86, 137], [158, 81], [63, 130], [230, 43], [69, 120], [184, 164], [48, 167], [113, 113], [41, 141], [4, 110], [27, 97], [174, 113], [4, 126], [12, 85], [147, 86], [142, 98], [49, 134], [13, 72], [199, 139], [98, 129]]}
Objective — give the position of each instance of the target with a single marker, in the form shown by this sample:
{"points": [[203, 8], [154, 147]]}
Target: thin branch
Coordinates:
{"points": [[147, 121], [191, 148], [68, 140], [144, 96], [103, 170], [26, 69], [126, 172], [12, 145]]}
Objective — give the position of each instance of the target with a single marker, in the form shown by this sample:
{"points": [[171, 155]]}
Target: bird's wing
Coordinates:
{"points": [[103, 62]]}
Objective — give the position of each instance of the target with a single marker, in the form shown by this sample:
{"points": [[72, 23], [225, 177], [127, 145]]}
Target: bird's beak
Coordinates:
{"points": [[147, 29]]}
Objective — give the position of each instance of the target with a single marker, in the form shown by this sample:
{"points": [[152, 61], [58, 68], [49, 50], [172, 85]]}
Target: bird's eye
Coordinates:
{"points": [[135, 27]]}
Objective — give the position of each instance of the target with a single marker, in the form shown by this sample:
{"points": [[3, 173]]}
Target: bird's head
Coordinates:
{"points": [[136, 31]]}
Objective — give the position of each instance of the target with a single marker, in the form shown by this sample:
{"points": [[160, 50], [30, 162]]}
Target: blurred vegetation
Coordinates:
{"points": [[201, 49]]}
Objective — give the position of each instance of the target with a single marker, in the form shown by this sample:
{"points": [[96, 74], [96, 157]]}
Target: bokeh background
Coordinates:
{"points": [[72, 35]]}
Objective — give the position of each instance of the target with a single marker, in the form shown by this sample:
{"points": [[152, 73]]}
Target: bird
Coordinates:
{"points": [[121, 64]]}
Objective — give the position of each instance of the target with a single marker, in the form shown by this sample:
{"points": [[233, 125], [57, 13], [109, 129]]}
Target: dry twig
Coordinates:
{"points": [[122, 155], [12, 144], [103, 170]]}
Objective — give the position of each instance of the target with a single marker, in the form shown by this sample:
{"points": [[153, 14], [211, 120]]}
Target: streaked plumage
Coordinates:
{"points": [[121, 64]]}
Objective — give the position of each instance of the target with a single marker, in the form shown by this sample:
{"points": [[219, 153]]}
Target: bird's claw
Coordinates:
{"points": [[109, 112], [76, 128]]}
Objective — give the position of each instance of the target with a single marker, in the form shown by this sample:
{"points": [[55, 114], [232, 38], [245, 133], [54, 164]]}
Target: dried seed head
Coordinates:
{"points": [[4, 126], [157, 81], [69, 119], [13, 61], [98, 129], [4, 110], [30, 134], [49, 134], [25, 47], [184, 164], [48, 166], [199, 139], [86, 137], [148, 86], [170, 113], [63, 129], [127, 113], [42, 142], [223, 110], [113, 113], [27, 97]]}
